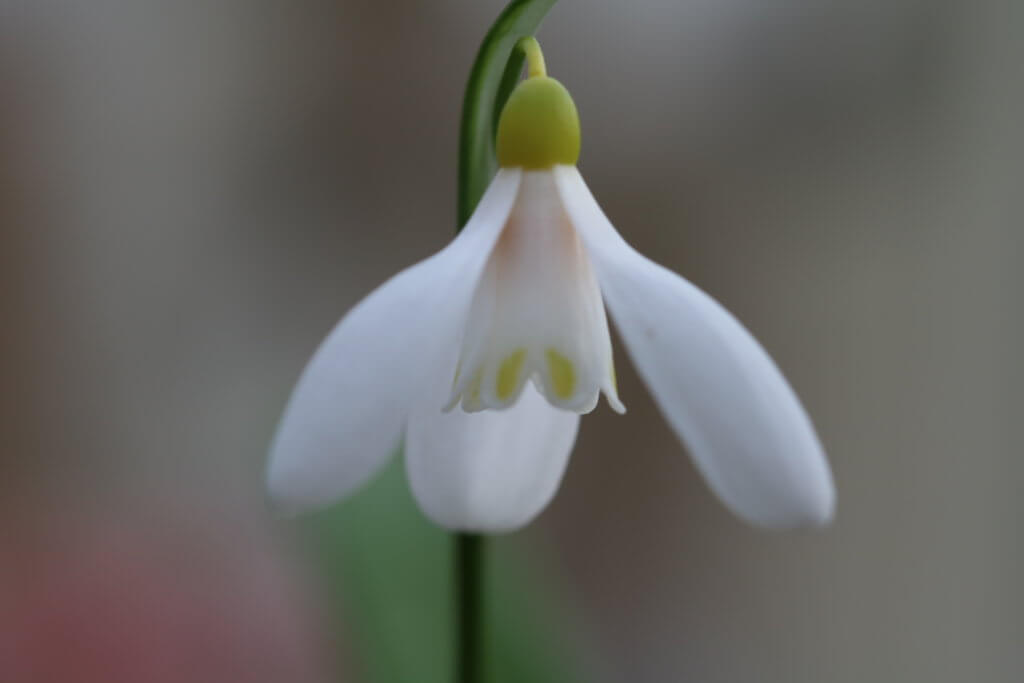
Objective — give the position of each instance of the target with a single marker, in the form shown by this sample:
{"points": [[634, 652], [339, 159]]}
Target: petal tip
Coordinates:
{"points": [[615, 403], [819, 500], [490, 472], [812, 508], [825, 511], [282, 490], [475, 523], [296, 483]]}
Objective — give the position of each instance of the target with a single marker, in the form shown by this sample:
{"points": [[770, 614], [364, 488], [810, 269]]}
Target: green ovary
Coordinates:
{"points": [[562, 372], [539, 126]]}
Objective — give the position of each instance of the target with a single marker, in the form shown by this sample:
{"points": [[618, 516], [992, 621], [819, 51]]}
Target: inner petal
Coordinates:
{"points": [[537, 314]]}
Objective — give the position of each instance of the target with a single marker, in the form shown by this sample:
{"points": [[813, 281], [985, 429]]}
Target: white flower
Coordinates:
{"points": [[484, 356]]}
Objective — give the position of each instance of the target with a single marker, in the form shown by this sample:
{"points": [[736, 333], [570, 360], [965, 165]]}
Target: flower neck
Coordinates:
{"points": [[535, 66]]}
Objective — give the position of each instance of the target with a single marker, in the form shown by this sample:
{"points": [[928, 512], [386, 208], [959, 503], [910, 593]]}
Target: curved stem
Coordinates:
{"points": [[534, 57], [485, 96], [469, 569]]}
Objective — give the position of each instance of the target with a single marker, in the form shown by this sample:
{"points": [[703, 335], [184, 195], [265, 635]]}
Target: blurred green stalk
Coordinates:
{"points": [[469, 576]]}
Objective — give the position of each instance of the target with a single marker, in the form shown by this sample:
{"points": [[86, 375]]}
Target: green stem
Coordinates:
{"points": [[534, 57], [469, 569], [494, 74]]}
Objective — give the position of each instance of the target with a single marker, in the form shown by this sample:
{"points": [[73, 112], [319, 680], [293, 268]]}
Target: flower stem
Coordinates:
{"points": [[534, 57], [469, 566]]}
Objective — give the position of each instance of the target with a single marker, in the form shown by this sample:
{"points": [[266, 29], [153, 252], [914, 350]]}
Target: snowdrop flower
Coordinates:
{"points": [[484, 356]]}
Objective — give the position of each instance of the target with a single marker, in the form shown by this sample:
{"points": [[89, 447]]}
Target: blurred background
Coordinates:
{"points": [[191, 195]]}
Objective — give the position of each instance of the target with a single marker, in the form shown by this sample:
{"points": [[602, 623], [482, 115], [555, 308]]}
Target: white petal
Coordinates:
{"points": [[537, 313], [347, 412], [489, 471], [716, 386]]}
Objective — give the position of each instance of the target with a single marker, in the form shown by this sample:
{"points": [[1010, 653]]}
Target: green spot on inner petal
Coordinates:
{"points": [[508, 374], [563, 375], [458, 371], [474, 387]]}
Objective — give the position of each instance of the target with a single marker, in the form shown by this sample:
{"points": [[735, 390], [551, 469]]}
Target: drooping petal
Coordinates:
{"points": [[348, 409], [537, 314], [716, 386], [489, 471]]}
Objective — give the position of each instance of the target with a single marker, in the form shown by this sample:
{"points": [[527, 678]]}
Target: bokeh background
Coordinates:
{"points": [[191, 194]]}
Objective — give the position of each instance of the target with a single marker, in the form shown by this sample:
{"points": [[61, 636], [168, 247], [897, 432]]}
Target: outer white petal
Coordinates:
{"points": [[348, 409], [716, 386], [489, 471]]}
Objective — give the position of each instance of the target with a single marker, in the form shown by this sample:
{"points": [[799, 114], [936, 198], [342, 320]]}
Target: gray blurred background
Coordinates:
{"points": [[191, 194]]}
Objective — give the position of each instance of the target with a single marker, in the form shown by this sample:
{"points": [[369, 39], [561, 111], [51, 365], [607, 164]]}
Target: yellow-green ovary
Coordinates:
{"points": [[562, 372], [539, 126]]}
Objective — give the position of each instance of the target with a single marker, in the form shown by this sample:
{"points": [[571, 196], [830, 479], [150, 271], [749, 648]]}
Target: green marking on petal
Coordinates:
{"points": [[563, 374], [458, 371], [508, 374], [474, 388]]}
